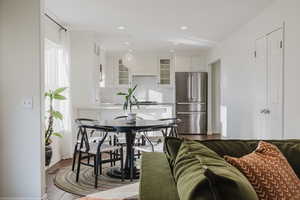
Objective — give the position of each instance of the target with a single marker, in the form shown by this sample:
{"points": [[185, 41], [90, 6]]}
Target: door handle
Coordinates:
{"points": [[191, 113], [265, 111], [190, 103]]}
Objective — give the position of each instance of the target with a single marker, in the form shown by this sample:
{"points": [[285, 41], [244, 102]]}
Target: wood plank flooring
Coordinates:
{"points": [[55, 193]]}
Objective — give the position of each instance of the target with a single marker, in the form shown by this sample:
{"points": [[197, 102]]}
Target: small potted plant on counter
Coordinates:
{"points": [[52, 115], [130, 101]]}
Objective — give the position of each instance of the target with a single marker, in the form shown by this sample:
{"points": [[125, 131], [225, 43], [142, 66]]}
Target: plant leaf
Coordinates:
{"points": [[57, 115], [134, 88], [59, 97], [57, 135], [121, 94], [129, 91], [59, 90], [47, 94]]}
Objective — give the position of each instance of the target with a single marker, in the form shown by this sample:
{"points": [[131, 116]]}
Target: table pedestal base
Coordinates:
{"points": [[115, 172]]}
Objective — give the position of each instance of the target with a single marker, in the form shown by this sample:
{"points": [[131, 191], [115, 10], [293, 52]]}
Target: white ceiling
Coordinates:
{"points": [[155, 24]]}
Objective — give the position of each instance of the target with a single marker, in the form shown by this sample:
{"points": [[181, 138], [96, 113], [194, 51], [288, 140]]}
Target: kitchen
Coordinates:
{"points": [[111, 71]]}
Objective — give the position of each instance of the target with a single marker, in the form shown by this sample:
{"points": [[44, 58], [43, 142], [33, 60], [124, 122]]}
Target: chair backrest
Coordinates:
{"points": [[84, 125], [173, 121], [84, 121]]}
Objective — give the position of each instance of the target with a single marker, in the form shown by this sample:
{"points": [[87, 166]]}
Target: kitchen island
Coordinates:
{"points": [[108, 111]]}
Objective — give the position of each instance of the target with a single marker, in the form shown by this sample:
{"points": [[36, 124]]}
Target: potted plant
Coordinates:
{"points": [[52, 115], [130, 101]]}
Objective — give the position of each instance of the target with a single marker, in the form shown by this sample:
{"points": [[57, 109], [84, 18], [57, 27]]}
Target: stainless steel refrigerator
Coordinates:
{"points": [[191, 102]]}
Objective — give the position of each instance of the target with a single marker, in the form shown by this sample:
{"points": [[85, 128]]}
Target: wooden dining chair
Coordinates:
{"points": [[173, 127], [93, 137], [155, 144], [95, 151]]}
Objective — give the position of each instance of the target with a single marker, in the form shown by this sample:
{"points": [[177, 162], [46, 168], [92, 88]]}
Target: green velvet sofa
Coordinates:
{"points": [[157, 180]]}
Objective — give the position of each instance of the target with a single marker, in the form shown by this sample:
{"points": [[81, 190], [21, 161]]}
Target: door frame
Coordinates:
{"points": [[283, 71], [210, 98]]}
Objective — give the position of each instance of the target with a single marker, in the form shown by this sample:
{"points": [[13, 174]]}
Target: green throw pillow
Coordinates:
{"points": [[201, 174]]}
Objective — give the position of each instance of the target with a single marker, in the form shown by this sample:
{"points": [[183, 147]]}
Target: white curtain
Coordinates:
{"points": [[57, 74]]}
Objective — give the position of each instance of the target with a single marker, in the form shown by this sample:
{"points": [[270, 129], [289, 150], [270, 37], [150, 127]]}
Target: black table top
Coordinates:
{"points": [[123, 125]]}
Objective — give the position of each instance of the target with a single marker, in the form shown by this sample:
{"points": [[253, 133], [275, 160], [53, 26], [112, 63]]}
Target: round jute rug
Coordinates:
{"points": [[65, 179]]}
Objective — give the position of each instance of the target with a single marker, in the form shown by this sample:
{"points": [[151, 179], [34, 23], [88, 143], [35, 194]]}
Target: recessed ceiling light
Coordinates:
{"points": [[183, 27], [121, 28], [127, 43]]}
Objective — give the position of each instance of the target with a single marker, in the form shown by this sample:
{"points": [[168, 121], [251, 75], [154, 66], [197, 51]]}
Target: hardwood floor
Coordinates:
{"points": [[55, 193]]}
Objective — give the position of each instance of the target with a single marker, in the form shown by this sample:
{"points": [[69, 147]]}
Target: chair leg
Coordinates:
{"points": [[96, 164], [122, 164], [115, 154], [99, 158], [94, 157], [111, 158], [78, 167], [74, 157], [89, 159], [131, 165]]}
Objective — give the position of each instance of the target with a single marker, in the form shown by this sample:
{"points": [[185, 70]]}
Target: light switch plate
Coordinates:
{"points": [[27, 103]]}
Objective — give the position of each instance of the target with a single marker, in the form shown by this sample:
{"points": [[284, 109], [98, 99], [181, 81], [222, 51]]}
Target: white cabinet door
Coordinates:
{"points": [[182, 64], [197, 64], [121, 73], [269, 86], [166, 72]]}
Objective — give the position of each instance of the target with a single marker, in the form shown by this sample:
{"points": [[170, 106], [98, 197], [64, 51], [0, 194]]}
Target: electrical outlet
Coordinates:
{"points": [[27, 103]]}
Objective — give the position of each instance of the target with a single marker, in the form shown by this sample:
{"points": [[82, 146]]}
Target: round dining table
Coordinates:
{"points": [[130, 129]]}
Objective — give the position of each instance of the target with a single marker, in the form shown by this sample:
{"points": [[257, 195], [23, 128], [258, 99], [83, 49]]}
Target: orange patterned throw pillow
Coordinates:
{"points": [[269, 173]]}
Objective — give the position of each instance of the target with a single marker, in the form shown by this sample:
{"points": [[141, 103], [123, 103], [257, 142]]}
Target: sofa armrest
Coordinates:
{"points": [[157, 182]]}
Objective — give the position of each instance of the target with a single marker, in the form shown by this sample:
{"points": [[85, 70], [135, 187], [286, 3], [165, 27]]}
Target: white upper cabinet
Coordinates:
{"points": [[166, 72], [141, 64], [185, 63], [182, 63], [122, 72]]}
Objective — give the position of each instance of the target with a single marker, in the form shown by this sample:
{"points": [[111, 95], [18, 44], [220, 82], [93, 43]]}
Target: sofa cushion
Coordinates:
{"points": [[239, 148], [156, 179], [200, 173], [269, 173]]}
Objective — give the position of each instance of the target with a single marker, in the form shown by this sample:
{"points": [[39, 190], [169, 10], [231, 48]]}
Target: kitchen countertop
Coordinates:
{"points": [[120, 106]]}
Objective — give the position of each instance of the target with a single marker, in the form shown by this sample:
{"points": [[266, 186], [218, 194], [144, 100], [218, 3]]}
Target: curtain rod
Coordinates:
{"points": [[58, 24]]}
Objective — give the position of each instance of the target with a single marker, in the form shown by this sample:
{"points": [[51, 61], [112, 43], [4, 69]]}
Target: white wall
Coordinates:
{"points": [[83, 68], [21, 74], [236, 54]]}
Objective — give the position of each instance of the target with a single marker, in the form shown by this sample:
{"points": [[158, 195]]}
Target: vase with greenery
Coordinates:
{"points": [[130, 100], [51, 117]]}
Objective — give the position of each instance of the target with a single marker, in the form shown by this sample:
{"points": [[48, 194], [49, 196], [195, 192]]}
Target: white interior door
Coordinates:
{"points": [[260, 87], [274, 110], [269, 86]]}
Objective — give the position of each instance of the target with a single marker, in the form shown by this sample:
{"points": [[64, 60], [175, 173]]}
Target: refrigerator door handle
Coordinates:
{"points": [[189, 86], [190, 113], [188, 103], [192, 86]]}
